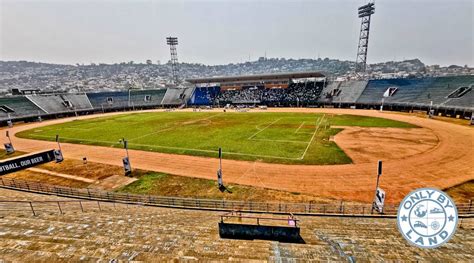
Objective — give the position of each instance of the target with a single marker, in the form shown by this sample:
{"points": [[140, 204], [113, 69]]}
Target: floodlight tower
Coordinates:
{"points": [[365, 12], [173, 42]]}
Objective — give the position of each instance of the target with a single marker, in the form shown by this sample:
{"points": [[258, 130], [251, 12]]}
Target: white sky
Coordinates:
{"points": [[221, 32]]}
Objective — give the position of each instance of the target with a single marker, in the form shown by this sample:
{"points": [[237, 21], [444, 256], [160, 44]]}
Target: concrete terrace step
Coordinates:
{"points": [[139, 233]]}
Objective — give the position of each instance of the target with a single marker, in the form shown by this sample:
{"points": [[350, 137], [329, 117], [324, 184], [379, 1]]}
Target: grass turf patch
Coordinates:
{"points": [[161, 184], [290, 138]]}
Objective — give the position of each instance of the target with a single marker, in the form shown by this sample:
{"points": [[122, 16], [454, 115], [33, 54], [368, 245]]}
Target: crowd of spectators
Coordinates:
{"points": [[297, 92]]}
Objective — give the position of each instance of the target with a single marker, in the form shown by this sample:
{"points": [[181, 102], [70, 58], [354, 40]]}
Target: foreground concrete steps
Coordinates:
{"points": [[138, 233]]}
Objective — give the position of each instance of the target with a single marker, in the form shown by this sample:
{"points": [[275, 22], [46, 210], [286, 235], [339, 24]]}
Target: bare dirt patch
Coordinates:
{"points": [[367, 145]]}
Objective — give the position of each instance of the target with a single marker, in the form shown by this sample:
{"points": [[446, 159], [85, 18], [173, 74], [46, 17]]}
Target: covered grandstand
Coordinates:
{"points": [[282, 89]]}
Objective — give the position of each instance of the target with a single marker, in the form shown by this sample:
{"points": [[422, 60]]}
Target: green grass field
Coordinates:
{"points": [[292, 138]]}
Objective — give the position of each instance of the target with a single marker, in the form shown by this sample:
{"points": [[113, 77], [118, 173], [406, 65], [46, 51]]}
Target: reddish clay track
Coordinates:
{"points": [[445, 161]]}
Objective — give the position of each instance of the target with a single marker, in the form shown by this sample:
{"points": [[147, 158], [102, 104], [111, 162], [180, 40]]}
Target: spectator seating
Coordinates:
{"points": [[343, 91], [119, 232], [466, 101], [18, 107], [420, 91], [177, 96], [142, 98], [109, 100], [407, 90], [204, 95], [78, 101], [297, 92], [58, 103], [440, 88]]}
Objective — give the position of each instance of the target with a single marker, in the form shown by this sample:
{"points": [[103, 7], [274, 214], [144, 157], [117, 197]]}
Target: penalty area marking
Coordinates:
{"points": [[173, 126], [312, 138], [264, 128], [299, 127]]}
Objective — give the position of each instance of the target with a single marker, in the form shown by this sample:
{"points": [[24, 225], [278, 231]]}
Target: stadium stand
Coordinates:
{"points": [[440, 88], [451, 96], [242, 96], [143, 98], [118, 232], [18, 107], [419, 91], [347, 92], [79, 101], [109, 100], [204, 95], [304, 92], [464, 101], [407, 90], [177, 96], [58, 103]]}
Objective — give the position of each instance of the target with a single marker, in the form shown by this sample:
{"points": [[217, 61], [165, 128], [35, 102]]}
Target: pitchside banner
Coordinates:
{"points": [[9, 148], [126, 166], [379, 200], [22, 162]]}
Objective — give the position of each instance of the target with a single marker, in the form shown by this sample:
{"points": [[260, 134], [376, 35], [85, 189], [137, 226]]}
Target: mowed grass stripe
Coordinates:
{"points": [[292, 138]]}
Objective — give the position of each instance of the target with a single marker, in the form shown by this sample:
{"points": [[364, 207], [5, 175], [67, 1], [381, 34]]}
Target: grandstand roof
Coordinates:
{"points": [[261, 77]]}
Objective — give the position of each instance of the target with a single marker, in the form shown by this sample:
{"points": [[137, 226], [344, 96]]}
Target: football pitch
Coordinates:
{"points": [[290, 138]]}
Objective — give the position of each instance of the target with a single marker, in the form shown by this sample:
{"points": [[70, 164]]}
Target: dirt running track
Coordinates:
{"points": [[444, 158]]}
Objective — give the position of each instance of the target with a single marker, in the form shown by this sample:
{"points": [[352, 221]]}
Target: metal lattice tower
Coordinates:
{"points": [[365, 12], [173, 42]]}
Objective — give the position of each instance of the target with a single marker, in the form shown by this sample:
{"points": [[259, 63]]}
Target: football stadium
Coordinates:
{"points": [[276, 167]]}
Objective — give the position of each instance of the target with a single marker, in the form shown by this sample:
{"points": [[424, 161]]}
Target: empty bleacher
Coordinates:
{"points": [[347, 92], [177, 96], [109, 100], [59, 103], [115, 232], [440, 88], [79, 101], [143, 98], [465, 101], [419, 91], [17, 107], [407, 90]]}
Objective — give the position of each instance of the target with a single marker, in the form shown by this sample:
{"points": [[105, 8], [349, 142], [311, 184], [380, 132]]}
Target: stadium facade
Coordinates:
{"points": [[448, 96]]}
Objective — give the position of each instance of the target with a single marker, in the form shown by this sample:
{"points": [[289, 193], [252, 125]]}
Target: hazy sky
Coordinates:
{"points": [[221, 32]]}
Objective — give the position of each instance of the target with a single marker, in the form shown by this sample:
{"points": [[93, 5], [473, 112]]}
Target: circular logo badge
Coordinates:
{"points": [[427, 218]]}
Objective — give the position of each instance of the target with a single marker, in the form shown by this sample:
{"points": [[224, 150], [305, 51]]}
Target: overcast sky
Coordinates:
{"points": [[225, 31]]}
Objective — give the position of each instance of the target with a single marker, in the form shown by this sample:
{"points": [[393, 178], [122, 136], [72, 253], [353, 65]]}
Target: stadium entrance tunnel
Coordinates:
{"points": [[237, 226]]}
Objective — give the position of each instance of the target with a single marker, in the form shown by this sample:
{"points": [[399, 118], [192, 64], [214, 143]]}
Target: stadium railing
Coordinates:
{"points": [[329, 209]]}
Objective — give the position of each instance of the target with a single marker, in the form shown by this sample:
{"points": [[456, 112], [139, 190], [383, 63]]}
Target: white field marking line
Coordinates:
{"points": [[68, 176], [312, 138], [268, 140], [299, 127], [77, 129], [170, 147], [255, 134], [173, 127], [74, 139]]}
